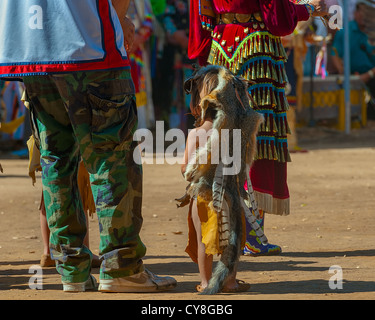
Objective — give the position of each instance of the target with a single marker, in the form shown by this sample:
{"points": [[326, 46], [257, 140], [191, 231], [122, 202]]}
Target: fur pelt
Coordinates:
{"points": [[216, 91]]}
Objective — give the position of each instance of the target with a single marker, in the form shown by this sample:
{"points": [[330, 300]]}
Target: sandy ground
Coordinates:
{"points": [[332, 222]]}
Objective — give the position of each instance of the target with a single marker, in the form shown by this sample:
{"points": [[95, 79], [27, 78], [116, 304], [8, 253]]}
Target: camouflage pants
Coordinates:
{"points": [[90, 115]]}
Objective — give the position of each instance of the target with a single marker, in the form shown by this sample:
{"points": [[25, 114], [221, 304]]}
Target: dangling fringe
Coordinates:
{"points": [[259, 43], [269, 125], [267, 95], [260, 56], [207, 14], [34, 159], [208, 23], [272, 205], [269, 150]]}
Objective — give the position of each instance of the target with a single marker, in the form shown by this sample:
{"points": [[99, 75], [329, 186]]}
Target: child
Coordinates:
{"points": [[202, 220], [89, 208], [87, 202]]}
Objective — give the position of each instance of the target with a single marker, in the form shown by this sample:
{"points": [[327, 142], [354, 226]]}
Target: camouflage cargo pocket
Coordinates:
{"points": [[113, 120]]}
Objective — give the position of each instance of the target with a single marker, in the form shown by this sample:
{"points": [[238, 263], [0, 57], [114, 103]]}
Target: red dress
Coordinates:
{"points": [[254, 51]]}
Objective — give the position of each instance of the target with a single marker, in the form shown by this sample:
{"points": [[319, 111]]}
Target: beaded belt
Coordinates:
{"points": [[233, 18]]}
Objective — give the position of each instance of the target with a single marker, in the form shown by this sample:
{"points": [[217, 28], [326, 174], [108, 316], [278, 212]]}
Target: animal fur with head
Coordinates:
{"points": [[216, 91]]}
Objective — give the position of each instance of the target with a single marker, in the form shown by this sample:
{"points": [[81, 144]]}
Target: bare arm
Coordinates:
{"points": [[179, 38], [367, 76], [320, 8], [191, 145], [338, 63], [121, 7]]}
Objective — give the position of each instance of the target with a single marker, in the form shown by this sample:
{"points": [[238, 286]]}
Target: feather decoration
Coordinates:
{"points": [[254, 224], [250, 192], [218, 187], [224, 225], [220, 205]]}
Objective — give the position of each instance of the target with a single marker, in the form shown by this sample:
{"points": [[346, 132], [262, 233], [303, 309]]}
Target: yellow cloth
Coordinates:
{"points": [[141, 98], [34, 159], [12, 126], [209, 227]]}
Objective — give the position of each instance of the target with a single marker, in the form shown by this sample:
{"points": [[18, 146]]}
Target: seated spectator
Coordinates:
{"points": [[362, 60]]}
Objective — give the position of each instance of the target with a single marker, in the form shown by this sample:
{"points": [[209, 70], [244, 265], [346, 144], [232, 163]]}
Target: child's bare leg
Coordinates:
{"points": [[45, 260], [86, 241], [44, 229], [231, 282], [204, 260]]}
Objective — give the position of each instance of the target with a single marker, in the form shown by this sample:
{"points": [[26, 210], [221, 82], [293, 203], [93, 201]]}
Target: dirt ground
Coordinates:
{"points": [[332, 223]]}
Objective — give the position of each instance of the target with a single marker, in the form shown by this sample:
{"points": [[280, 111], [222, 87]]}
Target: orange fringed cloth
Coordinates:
{"points": [[83, 178], [84, 187]]}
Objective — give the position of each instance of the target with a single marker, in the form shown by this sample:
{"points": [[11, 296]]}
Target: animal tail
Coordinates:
{"points": [[231, 253]]}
